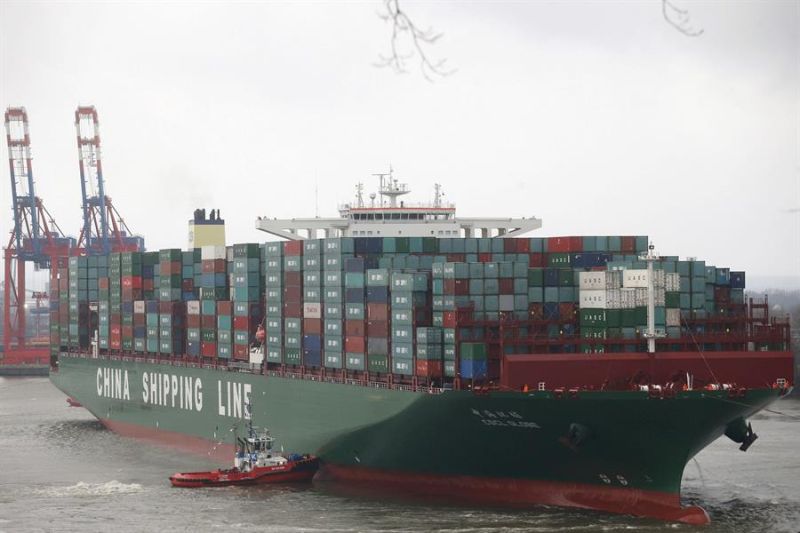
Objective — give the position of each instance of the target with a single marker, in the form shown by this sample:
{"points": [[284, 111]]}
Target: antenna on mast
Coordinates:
{"points": [[359, 194], [391, 188], [438, 194]]}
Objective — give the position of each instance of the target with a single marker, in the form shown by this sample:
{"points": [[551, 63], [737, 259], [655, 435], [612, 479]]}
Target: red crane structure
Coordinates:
{"points": [[35, 238]]}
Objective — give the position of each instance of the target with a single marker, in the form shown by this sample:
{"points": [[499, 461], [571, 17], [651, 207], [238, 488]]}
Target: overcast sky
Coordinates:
{"points": [[598, 117]]}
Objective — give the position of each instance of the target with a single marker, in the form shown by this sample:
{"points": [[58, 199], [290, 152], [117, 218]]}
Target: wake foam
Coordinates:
{"points": [[93, 489]]}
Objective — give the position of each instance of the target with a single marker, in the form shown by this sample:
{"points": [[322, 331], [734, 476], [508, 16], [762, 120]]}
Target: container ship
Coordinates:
{"points": [[413, 349]]}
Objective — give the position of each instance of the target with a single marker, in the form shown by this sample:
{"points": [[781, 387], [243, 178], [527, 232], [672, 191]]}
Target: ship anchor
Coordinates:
{"points": [[741, 432]]}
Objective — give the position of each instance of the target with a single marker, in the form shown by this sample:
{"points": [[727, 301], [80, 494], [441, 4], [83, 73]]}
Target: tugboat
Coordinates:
{"points": [[255, 463]]}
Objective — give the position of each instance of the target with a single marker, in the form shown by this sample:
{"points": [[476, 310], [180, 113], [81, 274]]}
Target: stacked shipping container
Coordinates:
{"points": [[382, 305]]}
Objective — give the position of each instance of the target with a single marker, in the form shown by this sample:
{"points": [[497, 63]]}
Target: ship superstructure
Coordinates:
{"points": [[385, 214]]}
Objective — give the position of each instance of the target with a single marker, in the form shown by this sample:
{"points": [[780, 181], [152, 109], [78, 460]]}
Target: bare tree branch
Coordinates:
{"points": [[679, 19], [403, 29]]}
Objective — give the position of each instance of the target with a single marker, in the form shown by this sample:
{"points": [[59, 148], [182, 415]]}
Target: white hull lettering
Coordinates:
{"points": [[112, 383], [170, 390], [235, 400]]}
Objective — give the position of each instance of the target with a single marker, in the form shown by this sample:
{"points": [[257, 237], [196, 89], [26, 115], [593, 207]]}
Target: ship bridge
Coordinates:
{"points": [[387, 216]]}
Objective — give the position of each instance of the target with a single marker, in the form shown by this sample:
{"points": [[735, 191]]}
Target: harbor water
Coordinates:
{"points": [[61, 470]]}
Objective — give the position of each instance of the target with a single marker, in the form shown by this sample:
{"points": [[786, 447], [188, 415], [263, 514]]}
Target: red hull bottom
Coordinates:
{"points": [[509, 491]]}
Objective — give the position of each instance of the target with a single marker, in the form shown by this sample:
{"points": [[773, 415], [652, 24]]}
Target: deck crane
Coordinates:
{"points": [[103, 229], [35, 238]]}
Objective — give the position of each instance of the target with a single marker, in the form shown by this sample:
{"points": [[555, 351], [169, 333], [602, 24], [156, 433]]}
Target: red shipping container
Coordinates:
{"points": [[115, 342], [567, 311], [212, 266], [294, 279], [354, 344], [523, 246], [509, 246], [207, 321], [378, 328], [628, 244], [242, 323], [536, 311], [241, 352], [187, 285], [129, 295], [312, 326], [293, 294], [131, 282], [127, 331], [140, 319], [208, 349], [564, 244], [722, 294], [354, 328], [449, 319], [293, 248], [102, 283], [449, 286], [377, 312], [115, 330], [225, 307], [172, 308], [461, 286], [506, 285], [431, 369], [195, 321], [456, 258], [485, 258], [293, 310], [536, 260]]}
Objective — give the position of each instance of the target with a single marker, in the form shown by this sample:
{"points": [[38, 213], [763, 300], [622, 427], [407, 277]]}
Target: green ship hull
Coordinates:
{"points": [[614, 451]]}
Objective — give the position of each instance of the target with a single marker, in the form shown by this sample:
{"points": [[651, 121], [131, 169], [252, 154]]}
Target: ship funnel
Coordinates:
{"points": [[206, 230]]}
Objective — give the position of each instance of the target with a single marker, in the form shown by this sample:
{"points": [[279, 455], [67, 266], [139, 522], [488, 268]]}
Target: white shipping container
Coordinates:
{"points": [[138, 306], [627, 298], [600, 280], [193, 307], [640, 297], [213, 252], [661, 297], [673, 282], [256, 357], [638, 278], [614, 298], [673, 317], [593, 299], [634, 278], [312, 310]]}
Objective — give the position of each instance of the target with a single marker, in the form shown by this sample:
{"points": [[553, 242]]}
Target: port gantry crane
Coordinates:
{"points": [[35, 238], [103, 229]]}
